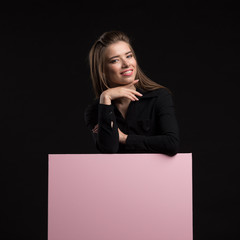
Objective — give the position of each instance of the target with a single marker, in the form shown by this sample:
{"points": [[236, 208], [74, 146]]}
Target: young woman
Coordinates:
{"points": [[131, 113]]}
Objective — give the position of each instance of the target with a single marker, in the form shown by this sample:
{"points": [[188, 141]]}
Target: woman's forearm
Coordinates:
{"points": [[166, 144], [107, 137]]}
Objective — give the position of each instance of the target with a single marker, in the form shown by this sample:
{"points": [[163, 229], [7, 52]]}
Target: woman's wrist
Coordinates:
{"points": [[105, 99], [124, 139]]}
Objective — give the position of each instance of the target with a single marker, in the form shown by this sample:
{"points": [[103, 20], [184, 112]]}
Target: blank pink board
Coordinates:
{"points": [[120, 197]]}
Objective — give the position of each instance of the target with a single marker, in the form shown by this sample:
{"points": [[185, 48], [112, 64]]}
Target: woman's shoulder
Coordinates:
{"points": [[92, 106], [158, 93], [91, 111]]}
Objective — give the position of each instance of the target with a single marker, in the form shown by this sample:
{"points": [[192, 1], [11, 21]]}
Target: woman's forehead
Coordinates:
{"points": [[117, 49]]}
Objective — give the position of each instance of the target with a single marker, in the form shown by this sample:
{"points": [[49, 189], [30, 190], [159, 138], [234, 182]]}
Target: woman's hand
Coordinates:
{"points": [[95, 129], [118, 92], [122, 136]]}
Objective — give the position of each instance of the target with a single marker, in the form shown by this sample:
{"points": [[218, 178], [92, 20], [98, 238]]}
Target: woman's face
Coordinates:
{"points": [[120, 64]]}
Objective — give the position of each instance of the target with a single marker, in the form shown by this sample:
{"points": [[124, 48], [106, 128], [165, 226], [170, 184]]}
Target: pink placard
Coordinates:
{"points": [[120, 197]]}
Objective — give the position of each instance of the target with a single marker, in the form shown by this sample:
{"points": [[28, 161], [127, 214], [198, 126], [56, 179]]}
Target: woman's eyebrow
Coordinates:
{"points": [[119, 55]]}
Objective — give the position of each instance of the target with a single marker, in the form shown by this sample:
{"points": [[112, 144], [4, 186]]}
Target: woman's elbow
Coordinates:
{"points": [[173, 146], [110, 148]]}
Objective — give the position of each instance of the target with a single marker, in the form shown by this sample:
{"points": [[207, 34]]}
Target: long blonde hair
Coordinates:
{"points": [[96, 62]]}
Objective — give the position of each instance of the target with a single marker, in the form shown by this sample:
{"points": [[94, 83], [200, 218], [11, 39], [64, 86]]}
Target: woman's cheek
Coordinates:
{"points": [[116, 69], [134, 63]]}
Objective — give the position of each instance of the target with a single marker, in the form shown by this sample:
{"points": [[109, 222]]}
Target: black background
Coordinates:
{"points": [[192, 47]]}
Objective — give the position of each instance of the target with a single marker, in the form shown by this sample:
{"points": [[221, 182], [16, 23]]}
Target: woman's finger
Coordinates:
{"points": [[129, 96], [135, 92], [132, 97], [95, 129], [134, 82]]}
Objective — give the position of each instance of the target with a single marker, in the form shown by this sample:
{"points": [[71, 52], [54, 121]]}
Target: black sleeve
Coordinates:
{"points": [[167, 140], [107, 138]]}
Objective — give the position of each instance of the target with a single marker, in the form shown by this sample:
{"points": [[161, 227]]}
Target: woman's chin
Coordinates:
{"points": [[126, 83], [128, 80], [123, 81]]}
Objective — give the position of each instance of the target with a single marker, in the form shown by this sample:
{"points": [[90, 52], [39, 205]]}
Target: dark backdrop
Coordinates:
{"points": [[192, 47]]}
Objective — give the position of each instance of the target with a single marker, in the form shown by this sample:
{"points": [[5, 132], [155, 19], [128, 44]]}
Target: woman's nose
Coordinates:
{"points": [[125, 63]]}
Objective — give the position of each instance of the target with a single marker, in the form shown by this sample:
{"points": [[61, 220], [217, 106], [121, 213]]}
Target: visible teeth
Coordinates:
{"points": [[128, 71]]}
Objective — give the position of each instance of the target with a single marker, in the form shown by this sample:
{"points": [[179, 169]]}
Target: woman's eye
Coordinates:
{"points": [[114, 61], [129, 56]]}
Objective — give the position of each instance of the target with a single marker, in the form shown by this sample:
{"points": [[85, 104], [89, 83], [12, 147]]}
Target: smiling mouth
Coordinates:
{"points": [[127, 72]]}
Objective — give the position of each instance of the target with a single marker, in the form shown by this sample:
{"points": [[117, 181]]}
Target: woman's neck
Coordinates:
{"points": [[122, 101]]}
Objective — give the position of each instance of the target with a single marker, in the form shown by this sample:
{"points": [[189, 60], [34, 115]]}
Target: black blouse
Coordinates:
{"points": [[150, 124]]}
